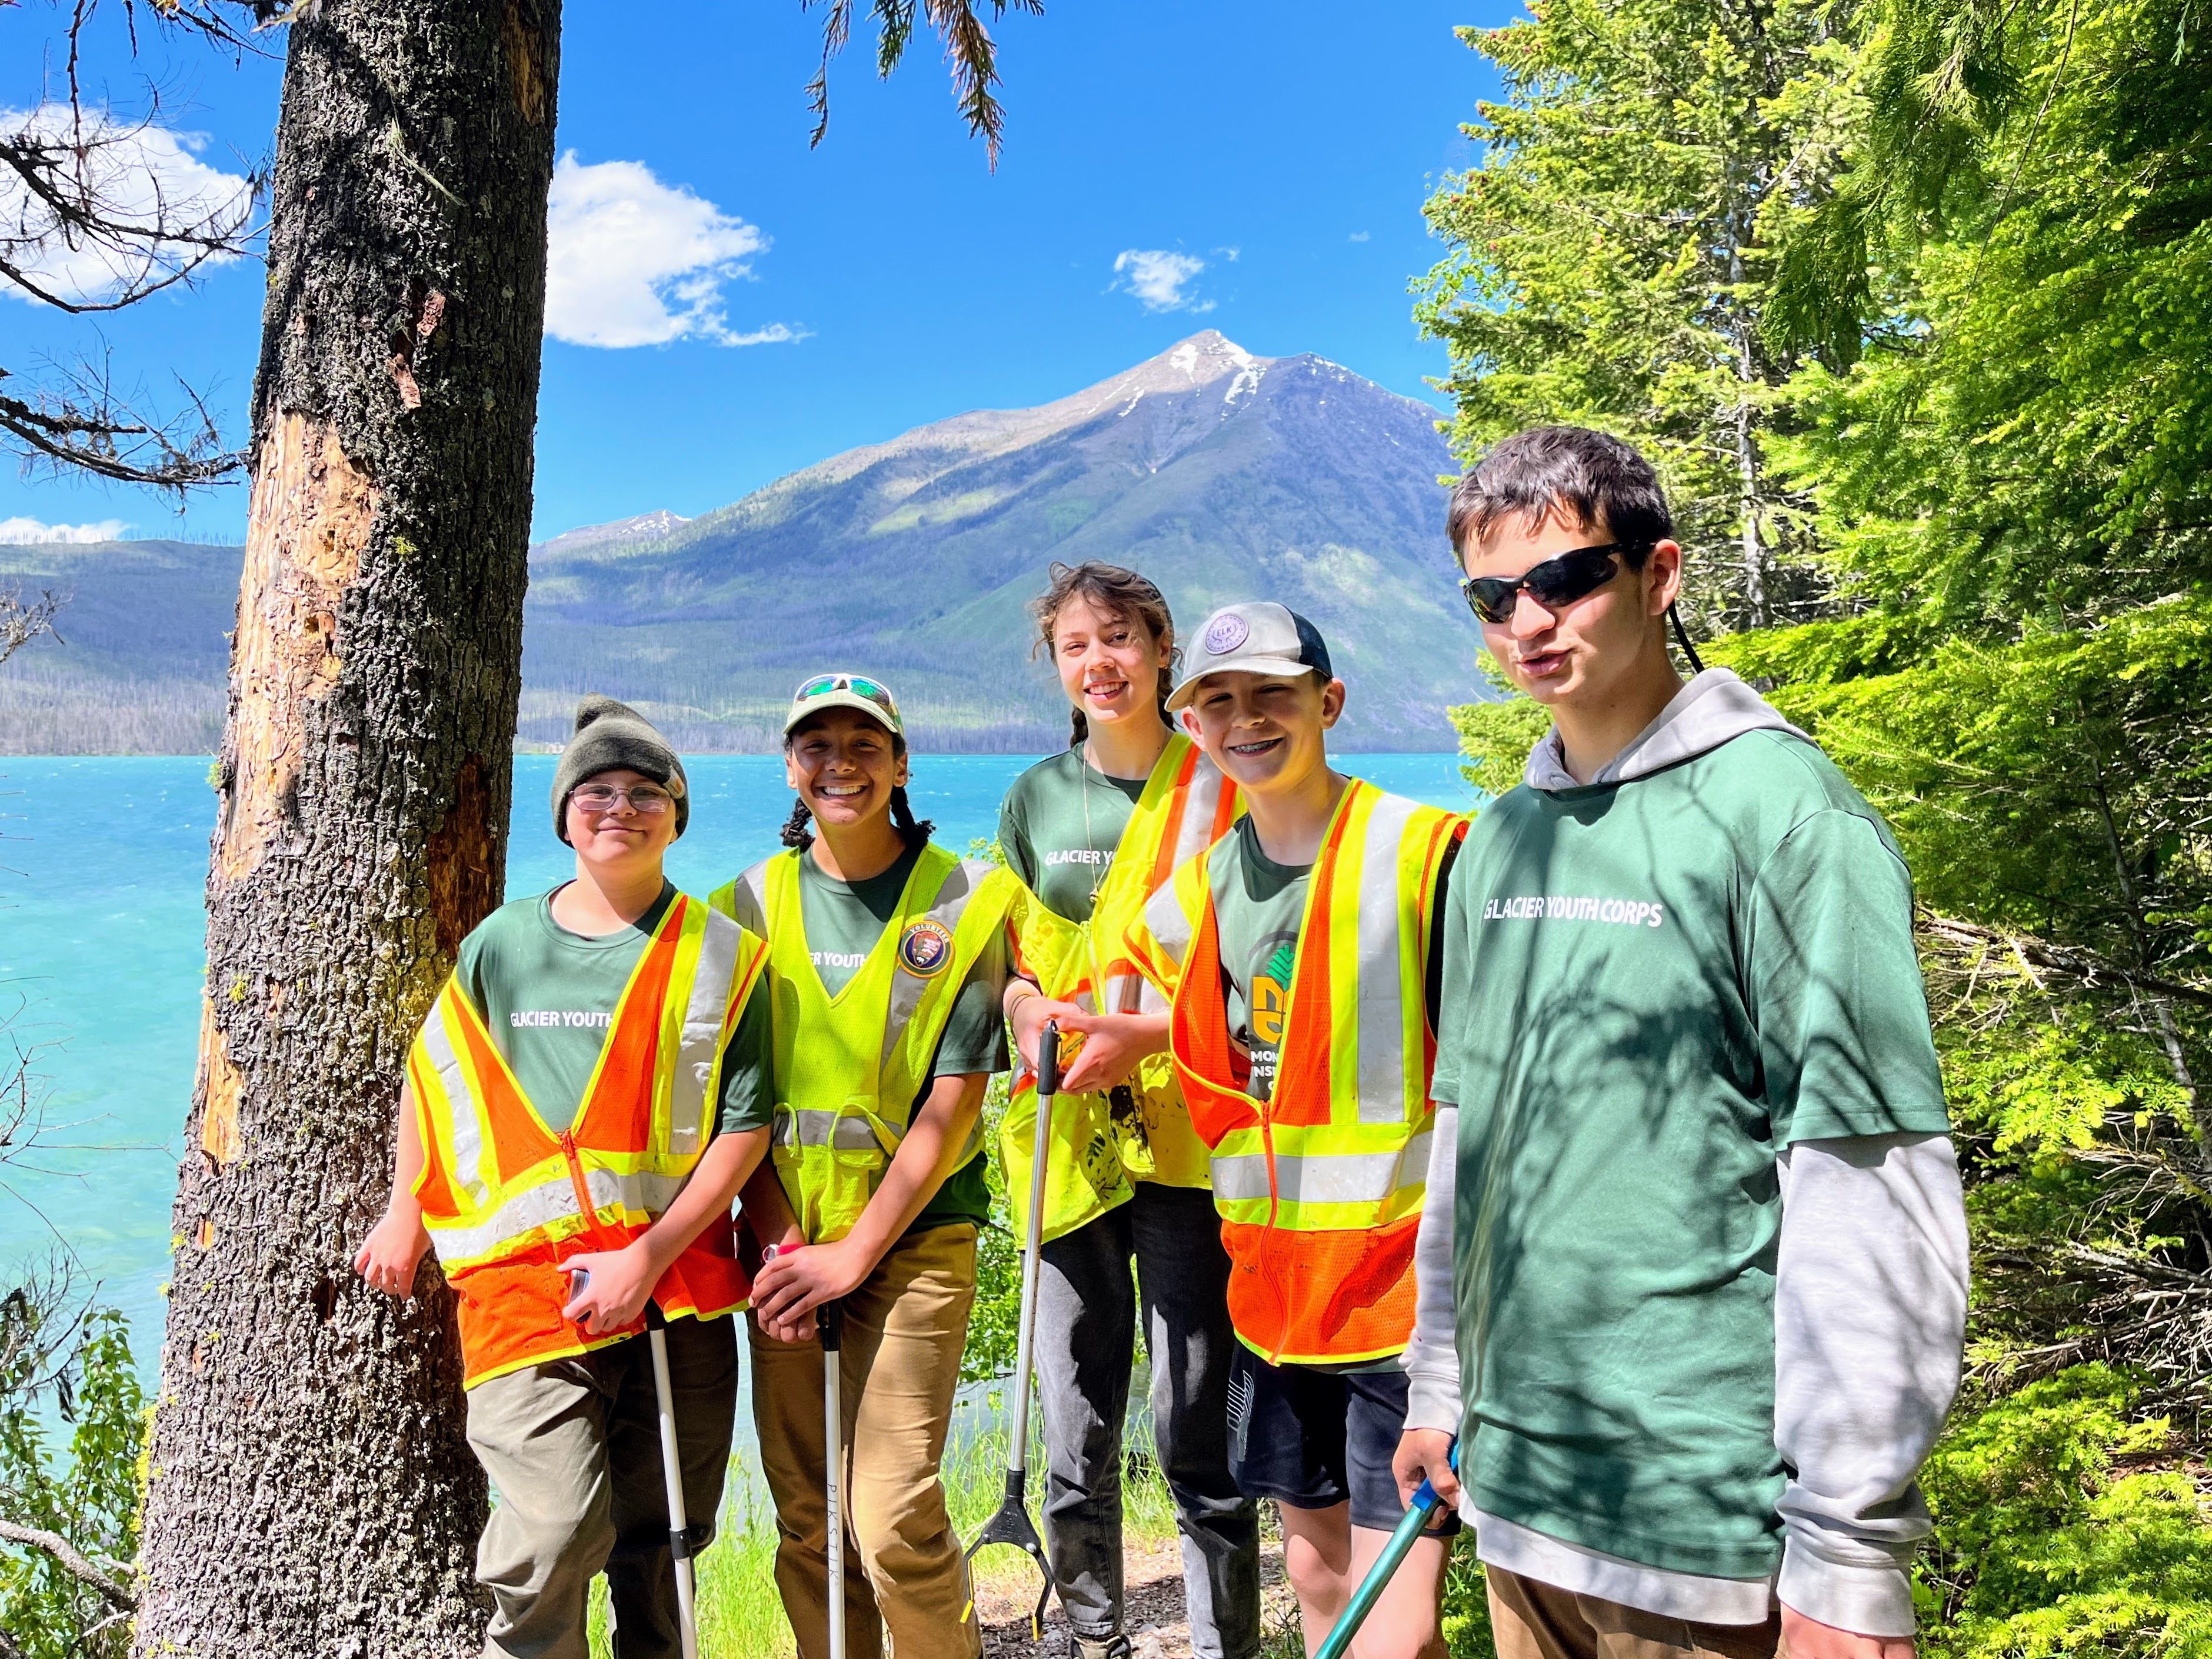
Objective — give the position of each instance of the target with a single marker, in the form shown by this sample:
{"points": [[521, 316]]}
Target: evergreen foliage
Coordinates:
{"points": [[1981, 293]]}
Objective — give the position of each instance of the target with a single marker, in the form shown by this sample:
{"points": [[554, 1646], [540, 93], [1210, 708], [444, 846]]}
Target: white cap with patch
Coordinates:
{"points": [[1257, 637]]}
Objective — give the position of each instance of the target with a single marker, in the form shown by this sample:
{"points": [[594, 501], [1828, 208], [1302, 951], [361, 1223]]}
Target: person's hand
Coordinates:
{"points": [[1028, 1020], [388, 1257], [1809, 1638], [1114, 1045], [621, 1282], [1425, 1454], [792, 1283]]}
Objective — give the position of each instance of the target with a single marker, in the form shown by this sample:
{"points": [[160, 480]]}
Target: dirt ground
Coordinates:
{"points": [[1152, 1591]]}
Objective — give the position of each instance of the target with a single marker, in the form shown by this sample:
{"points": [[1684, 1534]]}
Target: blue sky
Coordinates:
{"points": [[1254, 168]]}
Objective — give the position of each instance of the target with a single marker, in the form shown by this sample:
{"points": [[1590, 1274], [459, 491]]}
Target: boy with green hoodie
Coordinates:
{"points": [[1693, 1263]]}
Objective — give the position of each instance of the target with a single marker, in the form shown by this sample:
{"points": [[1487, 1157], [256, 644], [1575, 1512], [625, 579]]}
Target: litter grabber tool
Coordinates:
{"points": [[681, 1545], [1337, 1643], [831, 1318], [1011, 1523]]}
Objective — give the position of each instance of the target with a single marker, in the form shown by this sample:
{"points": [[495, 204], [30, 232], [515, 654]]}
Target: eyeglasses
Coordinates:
{"points": [[646, 800], [875, 693], [1560, 580]]}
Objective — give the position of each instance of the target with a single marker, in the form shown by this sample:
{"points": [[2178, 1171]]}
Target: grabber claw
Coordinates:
{"points": [[1010, 1524]]}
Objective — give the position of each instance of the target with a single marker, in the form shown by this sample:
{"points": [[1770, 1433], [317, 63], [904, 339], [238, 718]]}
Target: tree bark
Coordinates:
{"points": [[310, 1489]]}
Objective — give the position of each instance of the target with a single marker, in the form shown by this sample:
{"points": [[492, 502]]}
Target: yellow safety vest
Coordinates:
{"points": [[849, 1068], [1320, 1186], [1097, 1156], [506, 1199]]}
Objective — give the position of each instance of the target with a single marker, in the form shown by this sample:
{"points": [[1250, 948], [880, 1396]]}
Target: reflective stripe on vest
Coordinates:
{"points": [[1095, 1157], [506, 1198], [843, 1105], [1320, 1187]]}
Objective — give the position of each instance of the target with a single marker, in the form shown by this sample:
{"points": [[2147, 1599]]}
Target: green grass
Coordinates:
{"points": [[740, 1614]]}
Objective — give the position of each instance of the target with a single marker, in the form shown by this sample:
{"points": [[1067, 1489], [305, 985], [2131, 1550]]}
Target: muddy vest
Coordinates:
{"points": [[1319, 1187], [506, 1199], [849, 1068], [1100, 1147]]}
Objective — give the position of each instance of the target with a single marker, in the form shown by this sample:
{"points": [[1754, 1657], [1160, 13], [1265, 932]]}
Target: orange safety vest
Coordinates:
{"points": [[506, 1199], [1320, 1186]]}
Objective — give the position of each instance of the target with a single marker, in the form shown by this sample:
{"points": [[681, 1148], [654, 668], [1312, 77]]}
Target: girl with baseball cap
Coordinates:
{"points": [[886, 959]]}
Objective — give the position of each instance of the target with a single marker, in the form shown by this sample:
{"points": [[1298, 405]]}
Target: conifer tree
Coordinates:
{"points": [[1609, 260]]}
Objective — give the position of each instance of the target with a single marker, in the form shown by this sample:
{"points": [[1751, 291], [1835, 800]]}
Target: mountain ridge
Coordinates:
{"points": [[1221, 475]]}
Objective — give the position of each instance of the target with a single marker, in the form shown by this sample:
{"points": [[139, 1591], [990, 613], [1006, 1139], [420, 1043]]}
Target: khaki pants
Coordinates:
{"points": [[904, 1329], [1533, 1620], [572, 1448]]}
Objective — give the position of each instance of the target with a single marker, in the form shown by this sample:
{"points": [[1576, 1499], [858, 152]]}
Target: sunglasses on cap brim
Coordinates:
{"points": [[853, 682]]}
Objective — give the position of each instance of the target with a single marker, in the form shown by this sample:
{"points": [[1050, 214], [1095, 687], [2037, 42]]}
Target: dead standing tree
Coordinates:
{"points": [[310, 1490]]}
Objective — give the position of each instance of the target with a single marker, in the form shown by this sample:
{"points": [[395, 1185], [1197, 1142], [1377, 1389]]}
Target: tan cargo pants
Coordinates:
{"points": [[1533, 1620], [572, 1448], [904, 1329]]}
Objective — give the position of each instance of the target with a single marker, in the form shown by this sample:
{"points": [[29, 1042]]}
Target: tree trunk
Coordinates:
{"points": [[310, 1489]]}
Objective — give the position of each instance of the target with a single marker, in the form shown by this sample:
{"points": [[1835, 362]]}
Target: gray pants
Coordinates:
{"points": [[1085, 1345], [573, 1448]]}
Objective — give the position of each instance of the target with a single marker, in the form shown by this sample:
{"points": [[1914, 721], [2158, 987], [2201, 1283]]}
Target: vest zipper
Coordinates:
{"points": [[583, 1192]]}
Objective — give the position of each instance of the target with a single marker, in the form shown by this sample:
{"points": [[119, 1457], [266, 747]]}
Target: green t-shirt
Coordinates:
{"points": [[843, 920], [1651, 988], [1060, 826], [549, 996], [1259, 907]]}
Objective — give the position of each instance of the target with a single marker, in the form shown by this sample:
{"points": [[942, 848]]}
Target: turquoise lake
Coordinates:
{"points": [[102, 863]]}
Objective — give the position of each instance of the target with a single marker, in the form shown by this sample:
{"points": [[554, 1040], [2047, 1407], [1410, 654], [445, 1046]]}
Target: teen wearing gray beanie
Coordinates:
{"points": [[608, 735]]}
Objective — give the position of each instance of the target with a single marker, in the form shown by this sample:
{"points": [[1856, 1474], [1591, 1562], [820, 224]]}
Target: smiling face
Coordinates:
{"points": [[1109, 664], [621, 839], [843, 766], [1581, 653], [1264, 731]]}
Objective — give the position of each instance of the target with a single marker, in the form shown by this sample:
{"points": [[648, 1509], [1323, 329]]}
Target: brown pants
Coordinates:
{"points": [[1533, 1620], [573, 1448], [904, 1329]]}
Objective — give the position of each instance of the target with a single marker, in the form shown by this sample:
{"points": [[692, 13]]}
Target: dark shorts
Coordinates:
{"points": [[1313, 1439]]}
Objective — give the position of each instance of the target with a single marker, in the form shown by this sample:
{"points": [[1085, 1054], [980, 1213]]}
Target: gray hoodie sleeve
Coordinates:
{"points": [[1432, 1358], [1869, 1317]]}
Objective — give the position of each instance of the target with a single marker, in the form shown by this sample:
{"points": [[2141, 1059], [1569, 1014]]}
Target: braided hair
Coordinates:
{"points": [[1112, 591], [798, 827]]}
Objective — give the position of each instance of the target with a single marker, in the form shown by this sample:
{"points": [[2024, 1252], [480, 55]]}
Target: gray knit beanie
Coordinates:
{"points": [[610, 734]]}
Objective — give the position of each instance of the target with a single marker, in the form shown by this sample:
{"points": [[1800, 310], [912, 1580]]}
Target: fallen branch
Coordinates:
{"points": [[2086, 966], [73, 1563]]}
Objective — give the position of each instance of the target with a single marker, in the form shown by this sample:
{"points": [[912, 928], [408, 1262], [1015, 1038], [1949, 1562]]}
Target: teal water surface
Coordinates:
{"points": [[102, 867]]}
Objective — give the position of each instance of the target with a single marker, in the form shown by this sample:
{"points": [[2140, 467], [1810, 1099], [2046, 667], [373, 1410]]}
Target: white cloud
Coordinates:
{"points": [[1359, 235], [16, 532], [138, 174], [1160, 279], [634, 262]]}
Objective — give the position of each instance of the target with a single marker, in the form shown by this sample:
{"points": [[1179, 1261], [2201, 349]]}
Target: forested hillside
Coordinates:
{"points": [[1221, 475], [1913, 300]]}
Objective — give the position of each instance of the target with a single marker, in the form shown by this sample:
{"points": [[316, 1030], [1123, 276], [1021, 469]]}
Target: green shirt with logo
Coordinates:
{"points": [[1652, 986], [1259, 906], [1060, 826], [844, 919], [549, 997]]}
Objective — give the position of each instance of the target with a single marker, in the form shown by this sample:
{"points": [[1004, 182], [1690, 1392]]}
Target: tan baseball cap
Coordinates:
{"points": [[871, 697], [1255, 637]]}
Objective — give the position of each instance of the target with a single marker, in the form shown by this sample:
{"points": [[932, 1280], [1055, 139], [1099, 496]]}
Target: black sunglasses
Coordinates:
{"points": [[1560, 580]]}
